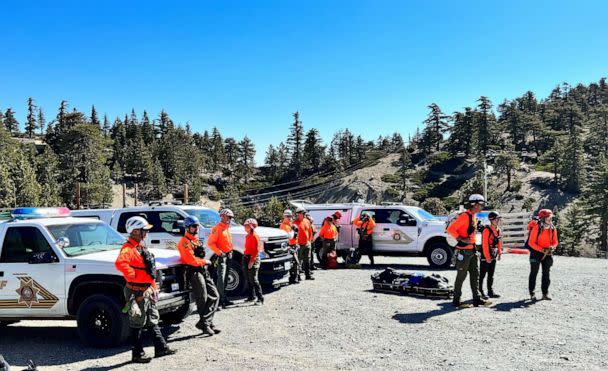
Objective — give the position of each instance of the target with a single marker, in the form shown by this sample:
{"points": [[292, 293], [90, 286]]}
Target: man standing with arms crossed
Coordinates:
{"points": [[287, 226], [192, 253], [220, 241], [464, 230]]}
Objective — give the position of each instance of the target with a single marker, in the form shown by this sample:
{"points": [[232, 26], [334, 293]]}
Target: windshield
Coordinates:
{"points": [[208, 218], [87, 238], [425, 214]]}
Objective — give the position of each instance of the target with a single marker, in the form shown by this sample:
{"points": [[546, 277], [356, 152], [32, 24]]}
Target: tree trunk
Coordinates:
{"points": [[508, 179], [604, 235]]}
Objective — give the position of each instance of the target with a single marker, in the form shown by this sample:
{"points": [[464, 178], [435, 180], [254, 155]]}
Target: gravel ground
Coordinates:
{"points": [[337, 322]]}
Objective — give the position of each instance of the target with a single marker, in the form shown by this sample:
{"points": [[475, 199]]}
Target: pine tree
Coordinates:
{"points": [[553, 158], [574, 157], [231, 149], [23, 175], [31, 125], [511, 119], [41, 121], [313, 151], [272, 162], [158, 184], [118, 134], [597, 142], [595, 199], [49, 178], [396, 142], [484, 122], [283, 158], [63, 107], [2, 127], [246, 162], [106, 126], [461, 132], [147, 130], [218, 156], [294, 141], [573, 230], [164, 122], [507, 162], [10, 122], [436, 125], [7, 186], [94, 118], [405, 163]]}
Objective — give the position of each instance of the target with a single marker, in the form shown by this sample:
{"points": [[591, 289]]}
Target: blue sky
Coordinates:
{"points": [[246, 66]]}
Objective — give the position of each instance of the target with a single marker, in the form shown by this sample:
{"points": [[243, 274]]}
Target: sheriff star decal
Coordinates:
{"points": [[28, 294]]}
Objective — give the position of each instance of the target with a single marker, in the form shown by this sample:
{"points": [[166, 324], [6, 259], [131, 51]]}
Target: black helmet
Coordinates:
{"points": [[494, 215]]}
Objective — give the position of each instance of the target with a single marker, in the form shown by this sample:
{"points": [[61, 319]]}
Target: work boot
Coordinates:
{"points": [[250, 299], [205, 329], [310, 278], [546, 297], [140, 357], [292, 281], [164, 352], [228, 302], [215, 329], [532, 296], [259, 302], [483, 295], [481, 302], [492, 294]]}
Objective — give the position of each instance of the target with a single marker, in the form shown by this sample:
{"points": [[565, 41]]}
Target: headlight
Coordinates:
{"points": [[284, 245], [263, 255]]}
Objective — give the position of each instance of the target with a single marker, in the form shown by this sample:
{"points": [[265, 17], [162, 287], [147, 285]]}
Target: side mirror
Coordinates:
{"points": [[63, 242]]}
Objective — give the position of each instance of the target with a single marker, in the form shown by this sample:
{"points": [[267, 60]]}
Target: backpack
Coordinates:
{"points": [[451, 219]]}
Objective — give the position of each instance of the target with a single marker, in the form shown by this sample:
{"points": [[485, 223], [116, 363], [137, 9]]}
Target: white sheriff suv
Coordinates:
{"points": [[54, 266], [400, 230], [168, 229]]}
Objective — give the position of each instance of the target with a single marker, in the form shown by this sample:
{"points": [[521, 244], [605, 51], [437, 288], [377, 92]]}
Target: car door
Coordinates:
{"points": [[396, 231], [32, 274]]}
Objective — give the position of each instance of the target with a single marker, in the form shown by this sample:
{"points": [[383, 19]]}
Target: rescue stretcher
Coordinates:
{"points": [[390, 281]]}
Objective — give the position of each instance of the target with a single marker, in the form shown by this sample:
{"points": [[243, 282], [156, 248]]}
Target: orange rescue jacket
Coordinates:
{"points": [[286, 226], [328, 231], [367, 226], [543, 238], [131, 264], [304, 231], [186, 246], [220, 239], [488, 239], [464, 227]]}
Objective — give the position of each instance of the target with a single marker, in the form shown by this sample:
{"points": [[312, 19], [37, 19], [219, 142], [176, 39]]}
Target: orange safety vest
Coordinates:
{"points": [[304, 231], [131, 264], [367, 226], [220, 239], [488, 239], [186, 246], [464, 227], [286, 226], [328, 231]]}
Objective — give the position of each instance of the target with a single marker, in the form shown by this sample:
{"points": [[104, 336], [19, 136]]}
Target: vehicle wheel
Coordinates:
{"points": [[101, 322], [236, 282], [177, 316], [439, 255]]}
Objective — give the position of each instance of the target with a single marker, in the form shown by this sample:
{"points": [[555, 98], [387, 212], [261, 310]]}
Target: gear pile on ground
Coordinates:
{"points": [[416, 283]]}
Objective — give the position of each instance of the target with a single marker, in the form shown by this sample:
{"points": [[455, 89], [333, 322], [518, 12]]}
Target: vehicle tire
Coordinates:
{"points": [[236, 281], [101, 322], [439, 255], [177, 316]]}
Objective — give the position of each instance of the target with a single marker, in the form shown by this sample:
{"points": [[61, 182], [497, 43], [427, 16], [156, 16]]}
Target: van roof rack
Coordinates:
{"points": [[391, 203]]}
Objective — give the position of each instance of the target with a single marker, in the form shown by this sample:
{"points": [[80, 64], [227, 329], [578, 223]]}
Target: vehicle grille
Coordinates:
{"points": [[168, 276], [276, 247]]}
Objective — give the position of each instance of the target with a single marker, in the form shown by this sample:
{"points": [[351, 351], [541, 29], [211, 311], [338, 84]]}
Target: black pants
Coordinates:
{"points": [[157, 339], [252, 277], [537, 261], [366, 246], [489, 268], [205, 294]]}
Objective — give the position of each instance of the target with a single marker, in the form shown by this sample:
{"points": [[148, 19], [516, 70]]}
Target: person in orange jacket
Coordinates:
{"points": [[192, 253], [304, 241], [329, 235], [543, 241], [463, 229], [220, 242], [287, 225], [137, 265], [491, 251], [365, 226], [313, 231], [251, 261]]}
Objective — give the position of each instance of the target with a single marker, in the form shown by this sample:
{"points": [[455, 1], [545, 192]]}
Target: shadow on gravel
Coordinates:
{"points": [[507, 307], [58, 346], [444, 308]]}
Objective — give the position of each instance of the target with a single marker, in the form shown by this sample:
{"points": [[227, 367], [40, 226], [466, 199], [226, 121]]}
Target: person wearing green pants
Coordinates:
{"points": [[463, 229]]}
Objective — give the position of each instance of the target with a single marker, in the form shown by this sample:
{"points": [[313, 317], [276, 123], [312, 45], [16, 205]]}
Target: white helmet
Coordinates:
{"points": [[227, 212], [300, 210], [476, 199], [251, 222], [287, 213], [137, 222]]}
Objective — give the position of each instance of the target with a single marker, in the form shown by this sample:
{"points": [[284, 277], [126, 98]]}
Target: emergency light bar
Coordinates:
{"points": [[40, 212]]}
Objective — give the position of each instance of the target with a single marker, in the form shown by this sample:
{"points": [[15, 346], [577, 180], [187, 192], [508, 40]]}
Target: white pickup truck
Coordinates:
{"points": [[167, 220], [400, 230], [53, 266]]}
